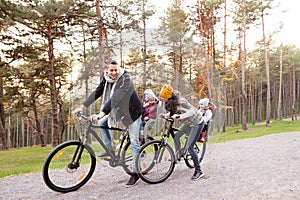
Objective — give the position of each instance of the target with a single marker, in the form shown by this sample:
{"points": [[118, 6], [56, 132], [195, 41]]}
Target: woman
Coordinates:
{"points": [[192, 122]]}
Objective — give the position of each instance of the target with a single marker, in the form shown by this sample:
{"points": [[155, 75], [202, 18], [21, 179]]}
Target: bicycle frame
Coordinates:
{"points": [[182, 151], [90, 130], [171, 131], [72, 163], [156, 159]]}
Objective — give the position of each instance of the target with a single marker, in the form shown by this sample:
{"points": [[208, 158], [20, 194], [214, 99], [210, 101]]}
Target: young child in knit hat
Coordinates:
{"points": [[150, 106], [206, 114]]}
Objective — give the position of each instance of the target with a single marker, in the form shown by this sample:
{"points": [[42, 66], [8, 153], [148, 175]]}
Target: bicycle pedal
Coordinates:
{"points": [[177, 161], [106, 159]]}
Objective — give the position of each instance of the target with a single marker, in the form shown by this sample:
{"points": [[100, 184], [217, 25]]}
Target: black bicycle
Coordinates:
{"points": [[71, 164], [156, 159]]}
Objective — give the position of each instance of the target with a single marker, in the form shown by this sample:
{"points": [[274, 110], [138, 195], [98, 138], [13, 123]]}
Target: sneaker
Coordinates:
{"points": [[104, 154], [133, 180], [197, 175]]}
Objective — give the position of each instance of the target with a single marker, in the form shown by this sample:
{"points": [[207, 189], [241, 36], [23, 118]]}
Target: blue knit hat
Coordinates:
{"points": [[204, 101]]}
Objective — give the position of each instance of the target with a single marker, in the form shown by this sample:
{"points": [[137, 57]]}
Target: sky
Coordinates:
{"points": [[290, 19], [291, 32]]}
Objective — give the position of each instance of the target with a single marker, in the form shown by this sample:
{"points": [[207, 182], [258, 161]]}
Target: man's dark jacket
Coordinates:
{"points": [[124, 99]]}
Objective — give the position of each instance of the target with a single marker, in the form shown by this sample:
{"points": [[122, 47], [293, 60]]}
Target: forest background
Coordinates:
{"points": [[53, 54]]}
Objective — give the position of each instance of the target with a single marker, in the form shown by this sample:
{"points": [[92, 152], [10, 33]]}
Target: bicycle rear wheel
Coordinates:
{"points": [[200, 150], [155, 162], [62, 172], [126, 155]]}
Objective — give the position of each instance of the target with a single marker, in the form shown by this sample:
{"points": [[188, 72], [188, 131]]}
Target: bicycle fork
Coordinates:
{"points": [[160, 152], [75, 163]]}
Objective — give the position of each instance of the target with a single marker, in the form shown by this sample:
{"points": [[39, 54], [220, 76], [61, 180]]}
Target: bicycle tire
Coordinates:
{"points": [[200, 152], [126, 155], [155, 162], [61, 174]]}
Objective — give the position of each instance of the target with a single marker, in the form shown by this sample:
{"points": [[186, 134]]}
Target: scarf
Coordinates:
{"points": [[107, 93]]}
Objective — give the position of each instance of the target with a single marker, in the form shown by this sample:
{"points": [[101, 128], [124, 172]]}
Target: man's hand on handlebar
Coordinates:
{"points": [[96, 117], [77, 110]]}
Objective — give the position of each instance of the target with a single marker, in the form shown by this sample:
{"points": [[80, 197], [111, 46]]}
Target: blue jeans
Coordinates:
{"points": [[134, 135], [105, 133], [184, 129], [193, 133], [193, 137]]}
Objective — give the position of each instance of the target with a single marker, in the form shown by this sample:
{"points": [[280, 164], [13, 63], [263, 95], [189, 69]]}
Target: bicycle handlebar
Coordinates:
{"points": [[81, 115], [170, 119]]}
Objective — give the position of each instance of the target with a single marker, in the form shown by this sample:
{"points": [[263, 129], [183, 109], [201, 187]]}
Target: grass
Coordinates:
{"points": [[23, 160], [236, 133], [31, 159]]}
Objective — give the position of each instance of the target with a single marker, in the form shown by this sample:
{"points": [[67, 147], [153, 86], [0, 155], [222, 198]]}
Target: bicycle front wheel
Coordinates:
{"points": [[200, 150], [155, 162], [69, 166]]}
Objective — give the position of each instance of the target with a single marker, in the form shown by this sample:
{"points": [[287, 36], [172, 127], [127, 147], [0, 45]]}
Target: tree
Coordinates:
{"points": [[48, 22], [279, 110], [173, 34]]}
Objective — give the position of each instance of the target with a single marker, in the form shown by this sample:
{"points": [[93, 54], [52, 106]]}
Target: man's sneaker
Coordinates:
{"points": [[197, 175], [133, 180], [104, 154]]}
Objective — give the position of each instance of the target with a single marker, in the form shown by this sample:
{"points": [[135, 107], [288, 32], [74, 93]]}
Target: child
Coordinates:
{"points": [[207, 115], [192, 123], [149, 114]]}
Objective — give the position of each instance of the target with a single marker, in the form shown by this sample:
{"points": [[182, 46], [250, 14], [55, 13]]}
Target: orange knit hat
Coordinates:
{"points": [[166, 92]]}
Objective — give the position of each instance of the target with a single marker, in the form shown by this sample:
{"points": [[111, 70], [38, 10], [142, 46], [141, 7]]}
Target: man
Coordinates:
{"points": [[120, 102]]}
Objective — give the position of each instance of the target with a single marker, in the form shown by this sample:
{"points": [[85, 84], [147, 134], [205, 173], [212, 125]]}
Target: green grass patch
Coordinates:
{"points": [[236, 133], [31, 159], [23, 160]]}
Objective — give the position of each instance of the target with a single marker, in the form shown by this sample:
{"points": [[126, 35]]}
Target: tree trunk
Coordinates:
{"points": [[244, 95], [2, 120], [260, 103], [266, 55], [144, 47], [294, 113], [38, 123], [100, 41], [279, 110], [55, 131], [225, 67]]}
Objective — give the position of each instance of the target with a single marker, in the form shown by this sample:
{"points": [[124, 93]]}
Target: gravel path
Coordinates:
{"points": [[267, 167]]}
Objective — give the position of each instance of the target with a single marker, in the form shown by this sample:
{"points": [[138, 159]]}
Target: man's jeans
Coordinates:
{"points": [[105, 133], [134, 134]]}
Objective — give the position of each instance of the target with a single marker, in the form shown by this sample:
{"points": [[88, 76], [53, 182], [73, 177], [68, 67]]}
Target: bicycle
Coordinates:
{"points": [[71, 164], [156, 159]]}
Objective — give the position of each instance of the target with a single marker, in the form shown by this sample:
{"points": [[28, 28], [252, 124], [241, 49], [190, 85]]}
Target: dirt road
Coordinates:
{"points": [[267, 167]]}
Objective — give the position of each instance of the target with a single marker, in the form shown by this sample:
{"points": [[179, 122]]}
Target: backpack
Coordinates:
{"points": [[213, 109]]}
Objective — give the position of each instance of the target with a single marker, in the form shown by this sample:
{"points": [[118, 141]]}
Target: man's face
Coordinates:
{"points": [[113, 71]]}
